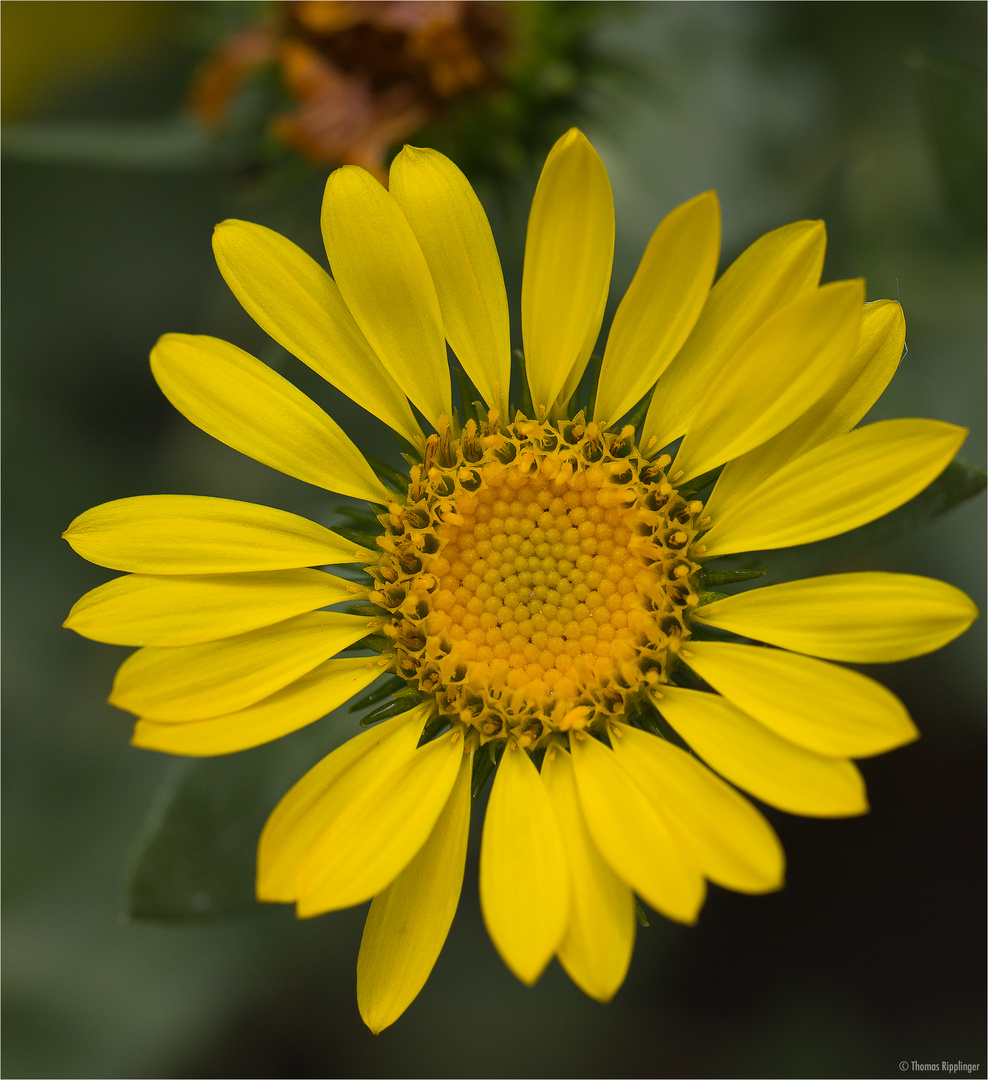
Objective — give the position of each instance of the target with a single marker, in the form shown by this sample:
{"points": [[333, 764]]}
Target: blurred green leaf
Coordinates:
{"points": [[961, 480], [952, 96], [173, 145], [195, 858]]}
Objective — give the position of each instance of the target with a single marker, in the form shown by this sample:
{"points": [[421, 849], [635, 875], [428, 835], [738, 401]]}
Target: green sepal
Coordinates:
{"points": [[392, 477], [484, 764], [728, 577], [386, 689], [364, 539], [403, 701], [640, 913]]}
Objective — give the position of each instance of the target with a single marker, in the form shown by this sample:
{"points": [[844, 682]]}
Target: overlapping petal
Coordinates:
{"points": [[773, 769], [661, 305], [768, 275], [251, 408], [817, 705], [190, 682], [865, 618], [384, 279], [455, 236], [867, 372], [835, 487], [789, 362], [302, 702], [600, 935], [407, 923], [733, 844], [569, 249], [634, 837], [289, 295], [175, 609], [205, 536], [298, 819], [525, 890], [363, 847]]}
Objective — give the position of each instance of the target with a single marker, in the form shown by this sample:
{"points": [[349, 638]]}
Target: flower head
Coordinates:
{"points": [[537, 590]]}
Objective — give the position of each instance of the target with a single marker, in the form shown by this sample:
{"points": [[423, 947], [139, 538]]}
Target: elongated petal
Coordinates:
{"points": [[455, 236], [144, 609], [817, 705], [634, 836], [844, 483], [385, 281], [867, 373], [524, 880], [569, 248], [302, 702], [246, 405], [381, 828], [866, 618], [771, 768], [322, 793], [596, 949], [733, 844], [205, 536], [289, 295], [190, 682], [661, 305], [407, 923], [775, 376], [775, 270]]}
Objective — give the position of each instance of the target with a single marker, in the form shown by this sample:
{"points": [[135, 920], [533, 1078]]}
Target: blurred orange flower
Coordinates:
{"points": [[365, 75]]}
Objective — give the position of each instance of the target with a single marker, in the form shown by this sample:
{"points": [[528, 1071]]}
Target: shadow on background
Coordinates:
{"points": [[867, 114]]}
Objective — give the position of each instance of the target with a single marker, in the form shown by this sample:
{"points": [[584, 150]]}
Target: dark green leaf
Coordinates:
{"points": [[196, 857]]}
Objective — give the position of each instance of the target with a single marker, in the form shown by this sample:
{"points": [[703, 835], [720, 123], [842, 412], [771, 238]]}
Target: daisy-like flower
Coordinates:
{"points": [[536, 589]]}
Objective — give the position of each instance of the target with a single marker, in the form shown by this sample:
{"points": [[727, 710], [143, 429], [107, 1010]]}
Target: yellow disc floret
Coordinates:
{"points": [[537, 576]]}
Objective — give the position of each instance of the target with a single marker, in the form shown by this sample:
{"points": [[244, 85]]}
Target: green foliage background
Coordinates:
{"points": [[870, 115]]}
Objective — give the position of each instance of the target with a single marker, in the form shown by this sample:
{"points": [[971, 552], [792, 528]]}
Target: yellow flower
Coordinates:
{"points": [[538, 588]]}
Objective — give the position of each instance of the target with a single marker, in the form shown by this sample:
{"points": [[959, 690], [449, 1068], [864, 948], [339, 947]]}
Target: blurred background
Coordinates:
{"points": [[130, 129]]}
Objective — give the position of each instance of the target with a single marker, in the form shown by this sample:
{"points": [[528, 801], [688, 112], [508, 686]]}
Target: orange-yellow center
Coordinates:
{"points": [[537, 577]]}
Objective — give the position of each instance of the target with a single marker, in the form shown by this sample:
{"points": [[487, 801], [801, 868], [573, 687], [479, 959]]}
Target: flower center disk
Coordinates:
{"points": [[537, 577]]}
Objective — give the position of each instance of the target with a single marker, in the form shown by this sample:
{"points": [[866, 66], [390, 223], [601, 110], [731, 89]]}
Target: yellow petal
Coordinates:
{"points": [[302, 702], [455, 236], [144, 609], [289, 295], [524, 880], [407, 923], [380, 829], [204, 536], [733, 844], [776, 375], [775, 270], [246, 405], [771, 768], [867, 373], [190, 682], [596, 949], [569, 248], [846, 482], [661, 305], [865, 618], [817, 705], [385, 281], [306, 808], [634, 836]]}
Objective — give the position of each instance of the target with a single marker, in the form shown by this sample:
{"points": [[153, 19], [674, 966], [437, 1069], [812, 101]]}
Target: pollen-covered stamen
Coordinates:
{"points": [[538, 578]]}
